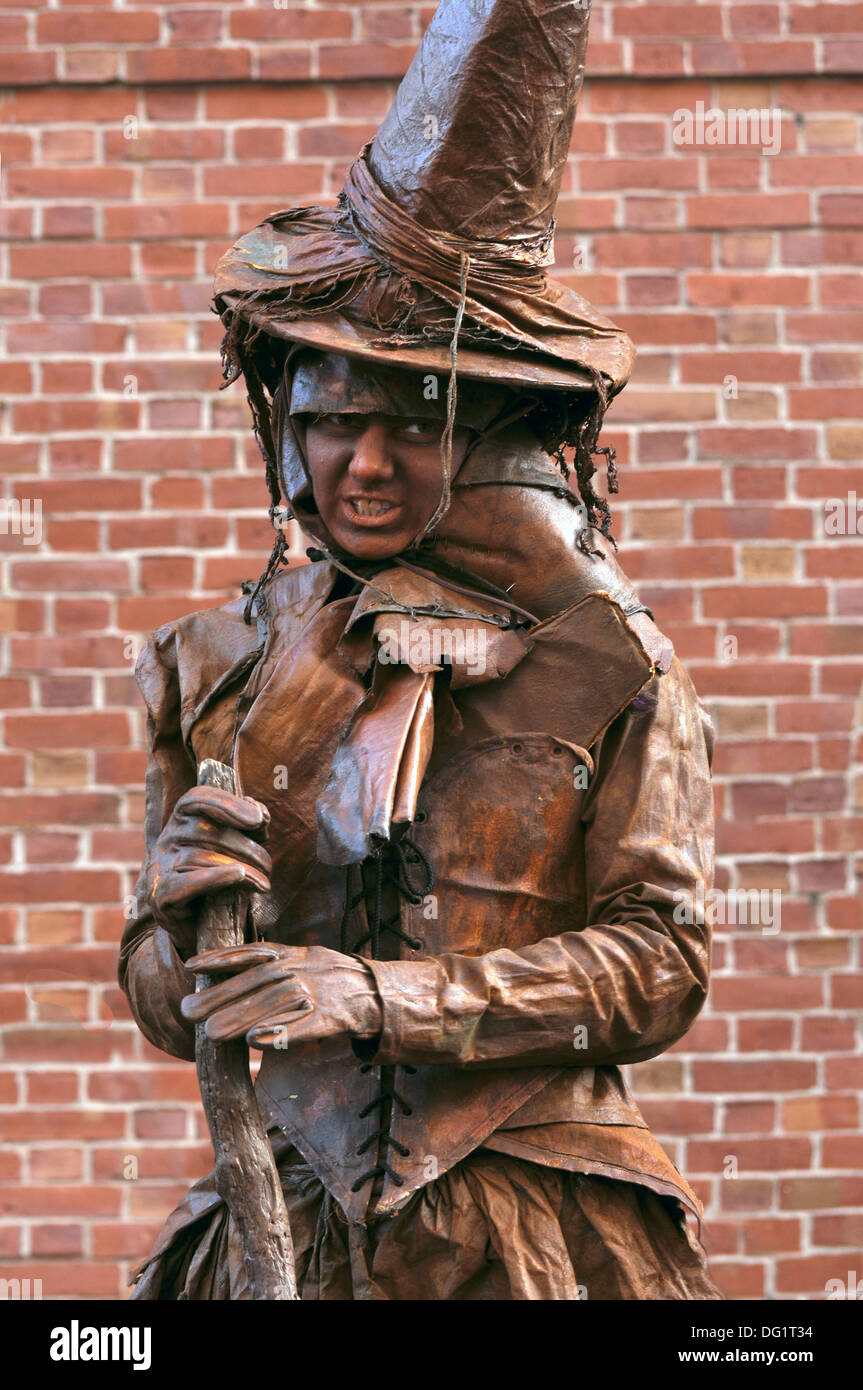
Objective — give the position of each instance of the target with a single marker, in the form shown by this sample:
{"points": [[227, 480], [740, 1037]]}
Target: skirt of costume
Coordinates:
{"points": [[492, 1227]]}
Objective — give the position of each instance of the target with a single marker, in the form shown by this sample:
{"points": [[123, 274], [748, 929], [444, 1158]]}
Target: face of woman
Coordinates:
{"points": [[377, 478]]}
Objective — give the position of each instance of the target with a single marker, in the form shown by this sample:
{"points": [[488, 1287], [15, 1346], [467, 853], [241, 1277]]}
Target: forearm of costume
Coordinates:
{"points": [[155, 981], [151, 973], [631, 982]]}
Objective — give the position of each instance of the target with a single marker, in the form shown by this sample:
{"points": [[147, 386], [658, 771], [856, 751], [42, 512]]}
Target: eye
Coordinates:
{"points": [[421, 429], [340, 423]]}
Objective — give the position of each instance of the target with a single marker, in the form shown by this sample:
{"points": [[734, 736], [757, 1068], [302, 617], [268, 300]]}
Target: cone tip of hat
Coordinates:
{"points": [[477, 137]]}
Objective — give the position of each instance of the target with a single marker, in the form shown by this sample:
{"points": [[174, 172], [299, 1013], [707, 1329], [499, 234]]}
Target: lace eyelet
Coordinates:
{"points": [[516, 748]]}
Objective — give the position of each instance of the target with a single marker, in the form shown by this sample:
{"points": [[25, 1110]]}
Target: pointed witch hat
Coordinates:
{"points": [[444, 227]]}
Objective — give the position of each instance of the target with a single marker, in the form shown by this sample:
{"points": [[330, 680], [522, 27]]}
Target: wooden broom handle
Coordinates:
{"points": [[246, 1176]]}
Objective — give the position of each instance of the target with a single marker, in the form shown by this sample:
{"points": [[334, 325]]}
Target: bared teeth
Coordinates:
{"points": [[370, 506]]}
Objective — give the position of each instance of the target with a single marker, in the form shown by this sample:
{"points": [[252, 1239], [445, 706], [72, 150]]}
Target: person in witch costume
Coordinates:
{"points": [[475, 780]]}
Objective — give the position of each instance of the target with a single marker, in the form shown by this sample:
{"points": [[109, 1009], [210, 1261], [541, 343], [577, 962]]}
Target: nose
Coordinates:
{"points": [[371, 458]]}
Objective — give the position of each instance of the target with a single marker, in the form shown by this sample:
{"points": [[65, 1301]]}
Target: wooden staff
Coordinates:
{"points": [[246, 1176]]}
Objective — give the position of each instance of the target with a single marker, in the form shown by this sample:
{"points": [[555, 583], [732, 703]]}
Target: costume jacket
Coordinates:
{"points": [[558, 791]]}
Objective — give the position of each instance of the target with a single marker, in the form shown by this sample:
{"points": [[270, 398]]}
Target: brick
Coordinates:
{"points": [[720, 290], [764, 1034], [769, 1236], [845, 1228], [717, 210], [812, 1193], [59, 1240], [766, 601], [363, 60], [27, 68], [769, 1077], [749, 1116], [746, 1194], [738, 1280], [764, 1154], [123, 1240], [825, 18], [842, 1072], [58, 1200], [808, 1273], [756, 443], [172, 65], [303, 26]]}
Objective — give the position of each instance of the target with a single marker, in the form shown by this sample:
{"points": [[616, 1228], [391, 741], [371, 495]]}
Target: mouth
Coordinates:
{"points": [[371, 511]]}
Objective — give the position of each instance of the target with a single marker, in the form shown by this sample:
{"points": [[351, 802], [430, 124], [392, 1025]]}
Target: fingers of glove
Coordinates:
{"points": [[202, 835], [174, 890], [207, 1001], [240, 812], [192, 860], [237, 1019], [225, 959]]}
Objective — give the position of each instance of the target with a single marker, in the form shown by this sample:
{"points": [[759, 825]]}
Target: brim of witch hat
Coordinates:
{"points": [[443, 231]]}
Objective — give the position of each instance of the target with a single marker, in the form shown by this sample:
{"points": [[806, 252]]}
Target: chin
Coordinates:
{"points": [[372, 547]]}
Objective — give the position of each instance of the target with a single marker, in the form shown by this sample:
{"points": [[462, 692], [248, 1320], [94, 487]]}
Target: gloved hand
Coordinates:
{"points": [[280, 995], [211, 842]]}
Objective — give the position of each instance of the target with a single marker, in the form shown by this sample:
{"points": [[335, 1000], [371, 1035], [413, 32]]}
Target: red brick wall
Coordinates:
{"points": [[136, 143]]}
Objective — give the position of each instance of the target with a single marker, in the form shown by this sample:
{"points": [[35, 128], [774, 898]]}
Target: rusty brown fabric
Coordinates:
{"points": [[461, 1237], [501, 841], [461, 180], [555, 895]]}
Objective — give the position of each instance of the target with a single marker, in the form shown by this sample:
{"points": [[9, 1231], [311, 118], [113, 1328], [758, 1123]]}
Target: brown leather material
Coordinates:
{"points": [[495, 1228], [357, 805], [448, 1121], [588, 930], [460, 85], [445, 217], [415, 758], [290, 736], [276, 995], [610, 1149], [213, 841], [592, 638], [514, 522]]}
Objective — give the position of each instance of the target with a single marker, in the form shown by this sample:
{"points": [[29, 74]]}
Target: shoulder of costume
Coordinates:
{"points": [[188, 661], [604, 575]]}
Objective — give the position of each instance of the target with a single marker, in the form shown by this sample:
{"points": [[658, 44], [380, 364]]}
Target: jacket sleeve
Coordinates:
{"points": [[151, 973], [630, 982]]}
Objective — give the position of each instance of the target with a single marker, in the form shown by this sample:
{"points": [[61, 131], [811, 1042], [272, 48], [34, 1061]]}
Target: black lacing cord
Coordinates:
{"points": [[408, 857], [351, 901], [405, 886], [387, 1093]]}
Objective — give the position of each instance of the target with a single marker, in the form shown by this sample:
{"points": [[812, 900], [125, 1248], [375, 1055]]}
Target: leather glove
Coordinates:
{"points": [[284, 994], [209, 843]]}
